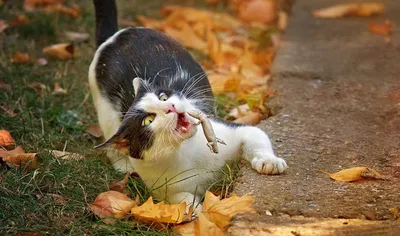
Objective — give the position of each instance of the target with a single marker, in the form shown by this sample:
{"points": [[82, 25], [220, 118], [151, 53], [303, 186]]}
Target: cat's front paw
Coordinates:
{"points": [[269, 165]]}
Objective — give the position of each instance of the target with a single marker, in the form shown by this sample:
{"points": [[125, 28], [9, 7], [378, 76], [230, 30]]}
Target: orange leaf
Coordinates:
{"points": [[353, 174], [160, 212], [350, 9], [20, 20], [120, 186], [251, 118], [94, 130], [224, 83], [58, 90], [61, 51], [384, 29], [263, 11], [209, 200], [112, 204], [203, 226], [187, 37], [149, 23], [3, 25], [6, 139], [17, 151], [18, 160], [21, 58], [187, 229]]}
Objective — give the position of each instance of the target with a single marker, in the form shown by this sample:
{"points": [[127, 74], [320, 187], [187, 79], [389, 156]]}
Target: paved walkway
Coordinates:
{"points": [[338, 106]]}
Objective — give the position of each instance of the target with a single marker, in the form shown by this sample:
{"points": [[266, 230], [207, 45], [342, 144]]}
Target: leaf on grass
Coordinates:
{"points": [[262, 11], [8, 111], [161, 213], [350, 9], [17, 160], [353, 174], [251, 118], [21, 58], [77, 36], [16, 151], [38, 87], [120, 185], [3, 25], [112, 204], [66, 155], [30, 5], [61, 50], [58, 90], [94, 130], [5, 86], [6, 140], [20, 20], [53, 6], [383, 29]]}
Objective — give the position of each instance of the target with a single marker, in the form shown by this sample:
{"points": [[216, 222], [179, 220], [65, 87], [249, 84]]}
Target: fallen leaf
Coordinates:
{"points": [[38, 87], [112, 204], [19, 160], [251, 118], [6, 140], [187, 229], [350, 9], [383, 29], [120, 185], [224, 83], [61, 50], [8, 111], [21, 58], [209, 200], [221, 212], [66, 155], [5, 86], [282, 20], [187, 37], [94, 130], [353, 174], [60, 200], [20, 20], [16, 151], [160, 212], [58, 90], [30, 5], [53, 6], [3, 25], [263, 11], [239, 111], [203, 226], [77, 36]]}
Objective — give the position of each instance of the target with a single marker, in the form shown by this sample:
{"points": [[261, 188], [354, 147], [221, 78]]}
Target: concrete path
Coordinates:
{"points": [[338, 106]]}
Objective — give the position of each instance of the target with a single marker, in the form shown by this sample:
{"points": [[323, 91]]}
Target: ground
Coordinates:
{"points": [[337, 106]]}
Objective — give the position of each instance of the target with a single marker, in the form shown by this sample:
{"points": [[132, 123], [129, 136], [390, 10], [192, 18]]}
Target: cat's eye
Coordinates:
{"points": [[148, 120], [163, 97]]}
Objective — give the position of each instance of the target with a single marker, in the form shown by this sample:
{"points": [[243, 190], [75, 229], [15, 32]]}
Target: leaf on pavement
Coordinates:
{"points": [[350, 9], [204, 226], [161, 212], [120, 185], [94, 130], [6, 140], [112, 204], [383, 29], [353, 174], [21, 58], [60, 51], [262, 11]]}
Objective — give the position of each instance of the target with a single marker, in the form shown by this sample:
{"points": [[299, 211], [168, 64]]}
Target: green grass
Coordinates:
{"points": [[29, 200]]}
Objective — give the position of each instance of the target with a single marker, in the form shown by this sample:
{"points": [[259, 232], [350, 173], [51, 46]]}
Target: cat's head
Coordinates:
{"points": [[158, 117]]}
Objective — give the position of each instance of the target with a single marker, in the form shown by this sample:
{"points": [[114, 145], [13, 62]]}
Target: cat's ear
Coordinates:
{"points": [[136, 84], [115, 142]]}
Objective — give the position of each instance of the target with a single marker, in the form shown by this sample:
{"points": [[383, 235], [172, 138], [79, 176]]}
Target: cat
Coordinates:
{"points": [[143, 85]]}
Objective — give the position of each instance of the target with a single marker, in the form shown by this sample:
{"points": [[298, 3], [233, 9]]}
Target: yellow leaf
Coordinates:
{"points": [[187, 229], [18, 160], [17, 151], [203, 226], [209, 200], [384, 29], [112, 204], [353, 174], [61, 50], [21, 58], [160, 212], [251, 118], [354, 9]]}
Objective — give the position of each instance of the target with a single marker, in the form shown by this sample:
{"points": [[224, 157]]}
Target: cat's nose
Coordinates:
{"points": [[171, 108]]}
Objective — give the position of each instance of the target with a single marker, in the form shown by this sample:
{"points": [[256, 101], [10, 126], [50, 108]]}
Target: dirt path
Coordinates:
{"points": [[337, 107]]}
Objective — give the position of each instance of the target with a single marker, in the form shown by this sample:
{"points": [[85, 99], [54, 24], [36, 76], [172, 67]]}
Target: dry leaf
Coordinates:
{"points": [[21, 58], [384, 29], [350, 9], [3, 25], [160, 212], [61, 50], [224, 83], [120, 186], [353, 174], [187, 37], [263, 11], [38, 87], [187, 229], [30, 5], [239, 111], [94, 130], [66, 155], [6, 140], [20, 20], [282, 20], [112, 204], [17, 151], [5, 86], [251, 118], [58, 90], [203, 226], [18, 160], [8, 111], [76, 36]]}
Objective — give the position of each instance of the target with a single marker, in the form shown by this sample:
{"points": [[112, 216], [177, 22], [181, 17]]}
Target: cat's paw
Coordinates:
{"points": [[269, 165]]}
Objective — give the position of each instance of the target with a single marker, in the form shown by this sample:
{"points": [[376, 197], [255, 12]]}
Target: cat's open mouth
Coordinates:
{"points": [[182, 124]]}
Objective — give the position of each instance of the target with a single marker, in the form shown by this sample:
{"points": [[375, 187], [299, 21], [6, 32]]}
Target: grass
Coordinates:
{"points": [[54, 199]]}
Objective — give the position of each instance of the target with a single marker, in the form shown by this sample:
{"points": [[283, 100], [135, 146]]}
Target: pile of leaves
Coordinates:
{"points": [[238, 49], [213, 219]]}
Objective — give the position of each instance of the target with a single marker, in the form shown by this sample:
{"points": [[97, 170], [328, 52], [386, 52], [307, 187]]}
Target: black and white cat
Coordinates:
{"points": [[143, 83]]}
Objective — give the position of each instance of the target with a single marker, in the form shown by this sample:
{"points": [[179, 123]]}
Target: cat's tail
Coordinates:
{"points": [[106, 20]]}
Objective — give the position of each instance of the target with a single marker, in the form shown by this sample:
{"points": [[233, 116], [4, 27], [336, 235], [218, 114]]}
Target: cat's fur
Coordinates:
{"points": [[131, 71]]}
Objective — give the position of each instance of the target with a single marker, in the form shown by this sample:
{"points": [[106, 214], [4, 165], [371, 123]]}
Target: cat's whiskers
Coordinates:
{"points": [[193, 83], [190, 80]]}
